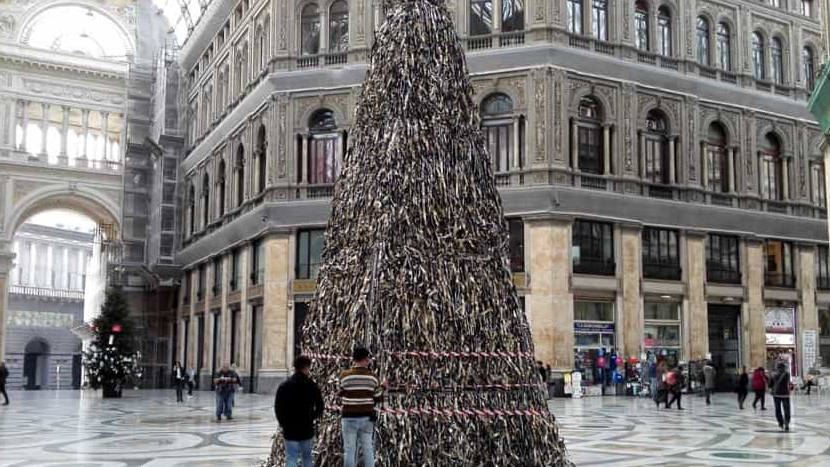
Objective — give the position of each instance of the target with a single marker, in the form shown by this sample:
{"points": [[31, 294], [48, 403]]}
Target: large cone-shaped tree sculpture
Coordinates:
{"points": [[415, 268]]}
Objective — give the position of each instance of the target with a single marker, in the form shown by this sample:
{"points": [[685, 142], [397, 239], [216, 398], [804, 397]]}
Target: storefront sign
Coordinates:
{"points": [[780, 320], [809, 349], [581, 326], [782, 340]]}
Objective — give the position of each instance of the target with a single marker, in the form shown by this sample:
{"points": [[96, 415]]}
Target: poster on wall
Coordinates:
{"points": [[780, 320], [809, 346]]}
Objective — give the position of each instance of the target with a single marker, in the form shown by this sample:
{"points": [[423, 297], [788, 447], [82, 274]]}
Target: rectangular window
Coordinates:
{"points": [[594, 311], [822, 268], [499, 138], [818, 186], [723, 263], [600, 26], [718, 168], [593, 248], [590, 152], [323, 167], [778, 264], [258, 262], [656, 163], [661, 330], [235, 336], [481, 17], [641, 29], [661, 254], [807, 7], [769, 178], [516, 244], [236, 265], [309, 253], [200, 345], [187, 288], [575, 16], [200, 286], [217, 277]]}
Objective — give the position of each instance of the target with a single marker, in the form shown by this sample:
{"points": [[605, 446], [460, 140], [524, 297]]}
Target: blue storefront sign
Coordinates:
{"points": [[581, 326]]}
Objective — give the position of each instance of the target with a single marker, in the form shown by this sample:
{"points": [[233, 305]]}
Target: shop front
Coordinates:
{"points": [[595, 356], [780, 337], [661, 336]]}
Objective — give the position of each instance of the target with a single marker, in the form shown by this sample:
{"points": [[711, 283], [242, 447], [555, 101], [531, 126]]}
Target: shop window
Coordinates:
{"points": [[257, 262], [594, 342], [641, 24], [217, 277], [593, 248], [516, 244], [778, 264], [497, 122], [575, 16], [723, 263], [662, 327], [724, 46], [822, 268], [661, 254], [703, 41], [310, 245], [236, 270]]}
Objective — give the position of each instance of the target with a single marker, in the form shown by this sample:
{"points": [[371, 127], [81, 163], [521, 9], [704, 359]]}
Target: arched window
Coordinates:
{"points": [[497, 125], [310, 30], [339, 26], [589, 136], [664, 33], [771, 168], [717, 164], [205, 200], [724, 47], [656, 154], [758, 55], [262, 45], [641, 24], [703, 41], [481, 17], [262, 158], [600, 19], [77, 30], [220, 189], [808, 60], [191, 209], [777, 57], [512, 15], [239, 179], [575, 16], [323, 151]]}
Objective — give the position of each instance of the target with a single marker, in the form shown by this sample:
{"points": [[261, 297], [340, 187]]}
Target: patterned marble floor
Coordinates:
{"points": [[147, 428]]}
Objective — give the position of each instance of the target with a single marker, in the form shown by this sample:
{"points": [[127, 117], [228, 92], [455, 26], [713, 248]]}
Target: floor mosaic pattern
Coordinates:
{"points": [[148, 429]]}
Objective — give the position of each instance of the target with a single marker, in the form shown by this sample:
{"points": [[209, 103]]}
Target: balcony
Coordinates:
{"points": [[662, 271], [505, 39], [594, 267], [717, 74], [722, 276], [593, 182], [47, 293], [325, 59], [777, 279]]}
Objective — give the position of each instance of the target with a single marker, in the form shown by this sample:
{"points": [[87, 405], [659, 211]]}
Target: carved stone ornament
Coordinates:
{"points": [[6, 26]]}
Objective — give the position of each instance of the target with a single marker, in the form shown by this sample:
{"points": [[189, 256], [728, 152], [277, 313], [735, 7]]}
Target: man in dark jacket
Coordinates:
{"points": [[297, 404], [780, 386], [4, 374]]}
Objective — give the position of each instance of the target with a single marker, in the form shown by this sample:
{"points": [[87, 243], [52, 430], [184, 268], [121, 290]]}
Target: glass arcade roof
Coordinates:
{"points": [[182, 15]]}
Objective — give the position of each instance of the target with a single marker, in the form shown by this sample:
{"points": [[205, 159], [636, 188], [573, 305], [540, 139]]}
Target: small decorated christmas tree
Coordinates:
{"points": [[110, 360]]}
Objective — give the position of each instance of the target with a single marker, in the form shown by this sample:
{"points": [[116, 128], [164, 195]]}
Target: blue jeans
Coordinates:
{"points": [[355, 430], [295, 449], [223, 404], [653, 387]]}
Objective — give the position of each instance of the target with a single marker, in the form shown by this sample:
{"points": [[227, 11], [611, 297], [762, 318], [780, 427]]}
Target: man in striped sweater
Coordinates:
{"points": [[360, 390]]}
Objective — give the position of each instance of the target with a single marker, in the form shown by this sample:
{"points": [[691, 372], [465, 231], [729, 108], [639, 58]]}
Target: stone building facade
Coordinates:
{"points": [[662, 177]]}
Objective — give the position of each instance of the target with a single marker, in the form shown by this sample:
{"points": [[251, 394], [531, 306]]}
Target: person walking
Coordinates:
{"points": [[224, 381], [179, 377], [780, 387], [652, 379], [359, 392], [674, 381], [759, 386], [741, 388], [810, 379], [237, 386], [4, 375], [297, 405], [708, 380], [191, 381]]}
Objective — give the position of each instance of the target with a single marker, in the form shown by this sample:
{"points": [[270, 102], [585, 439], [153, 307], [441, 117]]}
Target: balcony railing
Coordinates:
{"points": [[44, 292], [596, 267], [322, 191], [722, 276], [504, 39], [593, 182], [669, 272], [777, 279], [326, 59]]}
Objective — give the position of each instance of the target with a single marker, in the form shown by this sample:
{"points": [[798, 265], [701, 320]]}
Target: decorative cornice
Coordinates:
{"points": [[51, 61]]}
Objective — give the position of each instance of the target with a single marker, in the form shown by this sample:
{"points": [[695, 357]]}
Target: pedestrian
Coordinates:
{"points": [[708, 380], [224, 380], [780, 387], [543, 372], [179, 377], [297, 404], [652, 378], [191, 381], [810, 379], [4, 374], [237, 386], [359, 392], [548, 386], [674, 381], [759, 386], [741, 388]]}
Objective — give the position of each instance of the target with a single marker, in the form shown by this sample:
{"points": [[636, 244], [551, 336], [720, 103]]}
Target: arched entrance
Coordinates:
{"points": [[36, 364]]}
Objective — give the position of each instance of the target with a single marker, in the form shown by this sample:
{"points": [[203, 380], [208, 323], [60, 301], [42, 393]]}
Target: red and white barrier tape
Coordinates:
{"points": [[432, 411], [433, 355]]}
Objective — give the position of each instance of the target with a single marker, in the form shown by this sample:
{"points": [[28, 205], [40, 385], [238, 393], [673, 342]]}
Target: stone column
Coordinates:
{"points": [[6, 264], [304, 158], [84, 133], [753, 317], [731, 165], [64, 130], [275, 349], [672, 160], [44, 127], [606, 149], [704, 171], [105, 134], [806, 314], [697, 310], [632, 298], [551, 300], [642, 137], [497, 16], [24, 110], [122, 139], [785, 178], [574, 146], [517, 161]]}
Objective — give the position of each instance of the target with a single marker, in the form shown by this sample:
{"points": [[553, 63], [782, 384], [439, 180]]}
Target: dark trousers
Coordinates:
{"points": [[674, 395], [760, 395], [190, 388], [782, 404], [709, 392], [807, 385], [3, 391], [742, 393], [179, 390], [223, 404]]}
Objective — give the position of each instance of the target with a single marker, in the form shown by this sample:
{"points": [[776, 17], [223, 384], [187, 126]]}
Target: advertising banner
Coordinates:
{"points": [[809, 349]]}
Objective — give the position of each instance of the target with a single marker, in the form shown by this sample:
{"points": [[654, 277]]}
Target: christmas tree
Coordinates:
{"points": [[415, 268], [111, 359]]}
